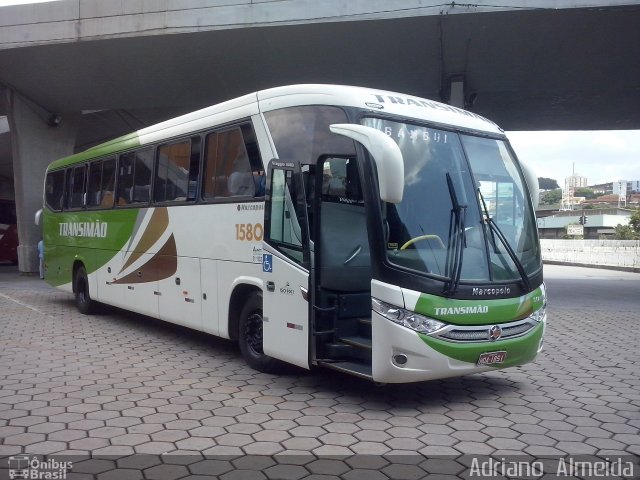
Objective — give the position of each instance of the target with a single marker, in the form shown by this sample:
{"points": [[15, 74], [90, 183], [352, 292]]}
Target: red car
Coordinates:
{"points": [[8, 232]]}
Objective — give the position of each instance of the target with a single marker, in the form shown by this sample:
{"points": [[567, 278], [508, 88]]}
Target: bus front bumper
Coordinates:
{"points": [[402, 355]]}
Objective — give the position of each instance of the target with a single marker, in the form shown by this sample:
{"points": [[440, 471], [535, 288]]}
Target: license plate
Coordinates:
{"points": [[492, 358]]}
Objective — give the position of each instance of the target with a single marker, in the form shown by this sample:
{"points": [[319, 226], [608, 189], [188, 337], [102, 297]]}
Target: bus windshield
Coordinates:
{"points": [[465, 210]]}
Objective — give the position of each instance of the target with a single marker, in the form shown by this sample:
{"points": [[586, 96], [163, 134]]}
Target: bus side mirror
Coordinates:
{"points": [[532, 183], [385, 153], [37, 217]]}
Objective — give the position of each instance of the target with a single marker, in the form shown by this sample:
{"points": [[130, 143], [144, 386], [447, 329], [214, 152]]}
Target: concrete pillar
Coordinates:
{"points": [[34, 145]]}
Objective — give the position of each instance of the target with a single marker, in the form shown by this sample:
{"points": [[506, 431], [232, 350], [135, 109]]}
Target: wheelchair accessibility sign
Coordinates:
{"points": [[267, 263]]}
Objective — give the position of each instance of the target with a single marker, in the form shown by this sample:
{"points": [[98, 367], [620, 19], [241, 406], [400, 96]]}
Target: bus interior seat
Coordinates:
{"points": [[345, 262], [107, 198], [76, 200], [140, 193], [241, 183]]}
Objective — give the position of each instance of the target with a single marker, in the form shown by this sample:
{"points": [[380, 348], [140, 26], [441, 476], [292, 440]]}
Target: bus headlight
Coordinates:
{"points": [[406, 318], [540, 314]]}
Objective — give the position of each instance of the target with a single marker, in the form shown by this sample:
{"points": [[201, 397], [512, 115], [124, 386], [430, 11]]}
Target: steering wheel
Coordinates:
{"points": [[420, 238]]}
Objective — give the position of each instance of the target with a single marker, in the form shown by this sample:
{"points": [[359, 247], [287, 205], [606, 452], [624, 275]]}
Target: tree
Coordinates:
{"points": [[547, 183], [584, 192], [634, 221], [624, 232], [551, 198]]}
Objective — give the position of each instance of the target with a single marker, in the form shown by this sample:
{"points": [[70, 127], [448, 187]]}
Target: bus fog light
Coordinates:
{"points": [[406, 318], [400, 360]]}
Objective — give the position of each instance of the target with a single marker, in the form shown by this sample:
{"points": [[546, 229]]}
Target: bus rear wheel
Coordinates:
{"points": [[250, 335], [81, 289]]}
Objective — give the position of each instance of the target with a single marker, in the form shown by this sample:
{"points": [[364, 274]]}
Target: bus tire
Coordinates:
{"points": [[250, 335], [84, 302]]}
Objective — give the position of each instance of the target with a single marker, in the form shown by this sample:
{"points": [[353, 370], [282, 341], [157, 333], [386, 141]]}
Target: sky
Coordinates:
{"points": [[601, 156]]}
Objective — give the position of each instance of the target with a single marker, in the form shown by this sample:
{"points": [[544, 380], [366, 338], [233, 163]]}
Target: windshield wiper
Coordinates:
{"points": [[496, 232], [455, 247]]}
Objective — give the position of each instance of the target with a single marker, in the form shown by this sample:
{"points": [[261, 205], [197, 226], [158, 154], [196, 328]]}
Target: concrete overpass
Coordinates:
{"points": [[105, 68]]}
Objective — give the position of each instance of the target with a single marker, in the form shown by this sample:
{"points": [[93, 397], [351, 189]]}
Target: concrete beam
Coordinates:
{"points": [[35, 144], [79, 20]]}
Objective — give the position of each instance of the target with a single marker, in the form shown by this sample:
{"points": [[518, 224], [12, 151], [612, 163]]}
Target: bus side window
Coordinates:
{"points": [[233, 167], [54, 190], [125, 178], [75, 187], [108, 183], [100, 183], [142, 178], [134, 177], [173, 172], [93, 184]]}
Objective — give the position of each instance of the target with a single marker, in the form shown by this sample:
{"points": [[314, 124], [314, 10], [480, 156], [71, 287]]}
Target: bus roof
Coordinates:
{"points": [[374, 100]]}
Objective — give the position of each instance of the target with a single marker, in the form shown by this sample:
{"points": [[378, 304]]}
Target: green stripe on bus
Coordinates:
{"points": [[519, 350], [65, 244], [479, 312], [109, 148]]}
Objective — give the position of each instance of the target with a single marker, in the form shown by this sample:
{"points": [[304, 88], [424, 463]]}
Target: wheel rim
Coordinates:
{"points": [[253, 333]]}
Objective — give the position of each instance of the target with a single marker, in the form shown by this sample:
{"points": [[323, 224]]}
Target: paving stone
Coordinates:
{"points": [[406, 472], [301, 443], [340, 439], [24, 439], [166, 472], [130, 439], [244, 475], [155, 448], [67, 435], [168, 391], [45, 448], [121, 474], [114, 451], [286, 472]]}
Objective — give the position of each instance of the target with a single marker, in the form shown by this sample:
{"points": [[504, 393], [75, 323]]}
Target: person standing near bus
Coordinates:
{"points": [[41, 257]]}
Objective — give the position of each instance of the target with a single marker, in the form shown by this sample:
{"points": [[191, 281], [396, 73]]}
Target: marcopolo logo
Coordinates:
{"points": [[462, 310], [491, 291], [95, 229]]}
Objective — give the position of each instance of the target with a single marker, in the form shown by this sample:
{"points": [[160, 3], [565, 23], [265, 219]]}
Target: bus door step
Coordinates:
{"points": [[357, 341], [353, 368]]}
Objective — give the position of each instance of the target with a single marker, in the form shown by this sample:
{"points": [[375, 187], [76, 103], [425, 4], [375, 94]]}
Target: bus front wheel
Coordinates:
{"points": [[250, 335], [81, 289]]}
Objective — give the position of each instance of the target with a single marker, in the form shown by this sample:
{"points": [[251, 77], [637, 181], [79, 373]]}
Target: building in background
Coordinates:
{"points": [[600, 223], [569, 200]]}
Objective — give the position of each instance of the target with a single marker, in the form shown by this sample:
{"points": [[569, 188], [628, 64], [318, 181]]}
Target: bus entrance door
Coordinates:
{"points": [[285, 268]]}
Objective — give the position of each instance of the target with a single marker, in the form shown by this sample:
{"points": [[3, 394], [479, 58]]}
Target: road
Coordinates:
{"points": [[579, 288], [153, 400]]}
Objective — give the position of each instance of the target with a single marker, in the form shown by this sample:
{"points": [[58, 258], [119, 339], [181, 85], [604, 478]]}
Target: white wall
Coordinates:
{"points": [[610, 253]]}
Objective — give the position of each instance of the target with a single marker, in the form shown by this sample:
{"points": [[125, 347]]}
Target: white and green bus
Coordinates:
{"points": [[375, 233]]}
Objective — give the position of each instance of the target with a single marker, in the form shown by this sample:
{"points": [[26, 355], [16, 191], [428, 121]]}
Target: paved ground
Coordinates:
{"points": [[119, 384]]}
